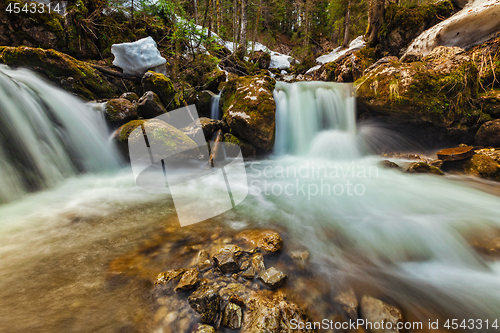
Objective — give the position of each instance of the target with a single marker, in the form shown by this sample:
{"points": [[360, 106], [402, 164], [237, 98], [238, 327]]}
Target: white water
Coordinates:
{"points": [[46, 135], [215, 108], [402, 234]]}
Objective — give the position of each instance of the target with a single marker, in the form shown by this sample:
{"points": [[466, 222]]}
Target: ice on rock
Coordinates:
{"points": [[477, 22], [138, 57]]}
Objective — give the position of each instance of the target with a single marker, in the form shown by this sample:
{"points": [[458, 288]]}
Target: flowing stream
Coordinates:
{"points": [[404, 236]]}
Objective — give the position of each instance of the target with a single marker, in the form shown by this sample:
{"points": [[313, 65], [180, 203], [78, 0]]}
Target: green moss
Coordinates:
{"points": [[126, 129]]}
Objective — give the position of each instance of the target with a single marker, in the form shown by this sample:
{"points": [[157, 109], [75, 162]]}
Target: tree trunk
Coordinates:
{"points": [[244, 24], [235, 23], [347, 24], [195, 4], [257, 23], [375, 20]]}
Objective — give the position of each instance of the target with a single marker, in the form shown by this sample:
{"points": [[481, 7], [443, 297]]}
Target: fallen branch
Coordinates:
{"points": [[121, 75]]}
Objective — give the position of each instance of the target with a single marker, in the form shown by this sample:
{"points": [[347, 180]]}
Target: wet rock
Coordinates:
{"points": [[258, 262], [273, 278], [491, 152], [272, 313], [188, 281], [349, 303], [58, 67], [249, 273], [120, 111], [212, 80], [488, 134], [268, 240], [205, 329], [237, 300], [249, 109], [160, 134], [226, 258], [203, 102], [423, 167], [374, 310], [478, 165], [150, 106], [300, 258], [455, 154], [203, 260], [131, 96], [232, 316], [210, 126], [411, 57], [205, 300], [166, 281], [388, 165]]}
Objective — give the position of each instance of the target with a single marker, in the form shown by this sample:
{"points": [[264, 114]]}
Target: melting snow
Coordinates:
{"points": [[138, 57], [477, 22]]}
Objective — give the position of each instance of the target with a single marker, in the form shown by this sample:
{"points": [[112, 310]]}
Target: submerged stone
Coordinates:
{"points": [[273, 278], [268, 240], [423, 167], [374, 310], [232, 316], [188, 281]]}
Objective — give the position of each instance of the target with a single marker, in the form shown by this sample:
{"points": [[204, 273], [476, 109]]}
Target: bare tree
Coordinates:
{"points": [[244, 24], [195, 4]]}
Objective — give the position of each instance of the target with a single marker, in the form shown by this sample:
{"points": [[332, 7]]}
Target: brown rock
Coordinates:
{"points": [[268, 240], [273, 278], [258, 262], [203, 260], [455, 154], [166, 281], [205, 300], [188, 281], [488, 134], [150, 106], [120, 111], [205, 329], [478, 165], [249, 274], [226, 258], [349, 303], [374, 310], [423, 167], [232, 316]]}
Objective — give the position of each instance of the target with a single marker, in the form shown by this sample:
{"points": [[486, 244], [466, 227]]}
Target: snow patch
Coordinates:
{"points": [[477, 22], [241, 115], [138, 57]]}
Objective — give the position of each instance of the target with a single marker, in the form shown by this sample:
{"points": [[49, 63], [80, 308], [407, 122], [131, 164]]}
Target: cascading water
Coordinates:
{"points": [[215, 108], [411, 228], [45, 135]]}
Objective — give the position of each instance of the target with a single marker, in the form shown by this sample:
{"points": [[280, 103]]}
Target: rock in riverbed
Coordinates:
{"points": [[273, 278], [374, 310]]}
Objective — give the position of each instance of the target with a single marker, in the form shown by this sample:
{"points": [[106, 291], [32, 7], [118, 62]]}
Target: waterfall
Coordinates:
{"points": [[215, 108], [317, 118], [46, 135]]}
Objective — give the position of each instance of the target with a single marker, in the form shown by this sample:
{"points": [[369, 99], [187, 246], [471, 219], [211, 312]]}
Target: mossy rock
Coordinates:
{"points": [[161, 86], [440, 90], [423, 167], [213, 79], [203, 103], [150, 106], [161, 135], [120, 111], [31, 29], [478, 165], [131, 96], [73, 75], [260, 58], [488, 134], [249, 109]]}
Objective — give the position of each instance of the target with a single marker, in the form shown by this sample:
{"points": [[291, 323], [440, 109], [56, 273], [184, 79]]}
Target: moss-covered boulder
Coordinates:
{"points": [[213, 80], [130, 96], [150, 106], [73, 75], [30, 29], [161, 135], [249, 109], [488, 134], [119, 111], [478, 165], [403, 23], [163, 87], [423, 167], [441, 89]]}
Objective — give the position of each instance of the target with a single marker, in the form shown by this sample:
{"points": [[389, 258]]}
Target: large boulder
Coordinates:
{"points": [[160, 134], [478, 165], [489, 134], [120, 111], [203, 103], [163, 87], [249, 109], [73, 75], [150, 106]]}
